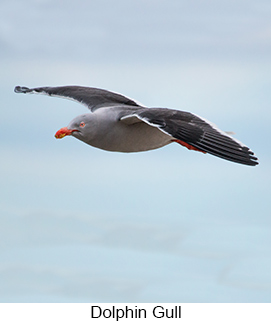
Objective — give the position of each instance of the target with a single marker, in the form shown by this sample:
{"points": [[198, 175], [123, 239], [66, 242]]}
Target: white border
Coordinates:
{"points": [[75, 313]]}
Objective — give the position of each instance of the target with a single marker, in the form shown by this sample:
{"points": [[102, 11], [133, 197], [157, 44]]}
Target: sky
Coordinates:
{"points": [[79, 224]]}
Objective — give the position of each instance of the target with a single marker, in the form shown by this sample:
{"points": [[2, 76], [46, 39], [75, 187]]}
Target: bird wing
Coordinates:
{"points": [[194, 133], [93, 98]]}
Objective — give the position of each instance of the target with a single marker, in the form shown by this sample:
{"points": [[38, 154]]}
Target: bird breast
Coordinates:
{"points": [[113, 135]]}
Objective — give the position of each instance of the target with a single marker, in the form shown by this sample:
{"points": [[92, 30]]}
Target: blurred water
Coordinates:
{"points": [[68, 259], [133, 235]]}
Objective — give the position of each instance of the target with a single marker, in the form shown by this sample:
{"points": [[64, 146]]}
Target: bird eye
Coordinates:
{"points": [[82, 124]]}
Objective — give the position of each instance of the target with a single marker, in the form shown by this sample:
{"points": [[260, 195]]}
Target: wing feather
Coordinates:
{"points": [[92, 98], [197, 132]]}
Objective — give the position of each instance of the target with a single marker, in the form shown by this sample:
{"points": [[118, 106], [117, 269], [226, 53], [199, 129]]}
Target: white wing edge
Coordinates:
{"points": [[134, 118]]}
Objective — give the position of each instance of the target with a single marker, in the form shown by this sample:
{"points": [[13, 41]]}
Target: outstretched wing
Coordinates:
{"points": [[91, 97], [195, 133]]}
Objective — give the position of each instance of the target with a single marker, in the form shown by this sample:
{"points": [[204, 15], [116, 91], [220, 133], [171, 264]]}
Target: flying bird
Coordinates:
{"points": [[117, 123]]}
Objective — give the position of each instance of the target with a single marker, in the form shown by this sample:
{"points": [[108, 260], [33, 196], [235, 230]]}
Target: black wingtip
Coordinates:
{"points": [[21, 89], [252, 162]]}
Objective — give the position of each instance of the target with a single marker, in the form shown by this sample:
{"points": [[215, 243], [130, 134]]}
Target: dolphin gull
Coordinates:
{"points": [[117, 123]]}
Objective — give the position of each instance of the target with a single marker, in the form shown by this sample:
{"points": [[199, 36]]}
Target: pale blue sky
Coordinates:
{"points": [[83, 225]]}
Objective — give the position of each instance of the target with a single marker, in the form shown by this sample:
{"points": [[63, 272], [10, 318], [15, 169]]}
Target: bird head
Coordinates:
{"points": [[78, 127]]}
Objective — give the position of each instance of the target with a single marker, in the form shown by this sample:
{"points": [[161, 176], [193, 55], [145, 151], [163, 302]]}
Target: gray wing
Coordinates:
{"points": [[195, 133], [93, 98]]}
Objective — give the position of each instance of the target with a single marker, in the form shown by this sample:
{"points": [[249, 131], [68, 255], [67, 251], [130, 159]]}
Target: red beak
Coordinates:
{"points": [[63, 132]]}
